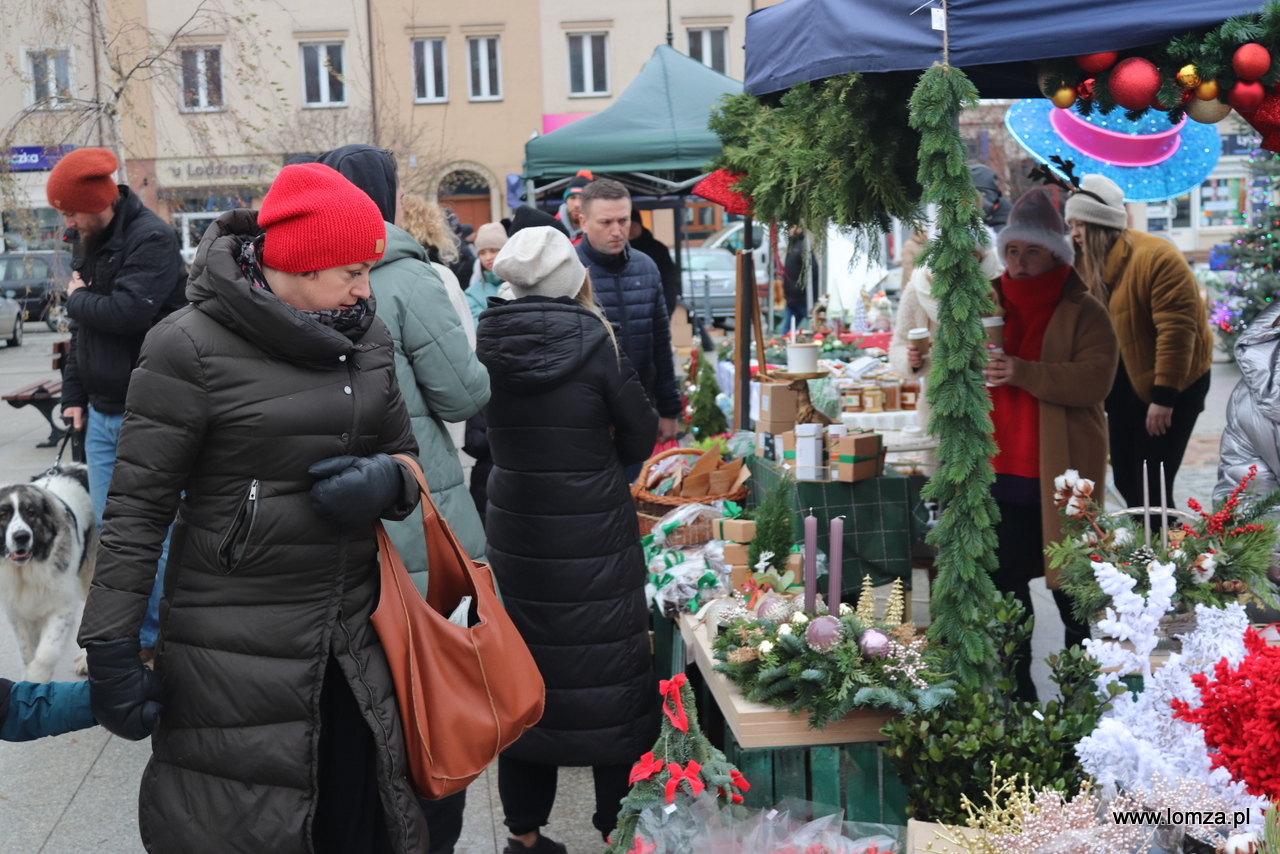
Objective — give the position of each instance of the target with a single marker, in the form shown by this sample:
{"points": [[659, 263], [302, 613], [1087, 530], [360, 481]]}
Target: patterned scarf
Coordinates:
{"points": [[339, 319]]}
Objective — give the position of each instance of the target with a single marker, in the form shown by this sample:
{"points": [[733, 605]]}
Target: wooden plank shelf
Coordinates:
{"points": [[759, 725]]}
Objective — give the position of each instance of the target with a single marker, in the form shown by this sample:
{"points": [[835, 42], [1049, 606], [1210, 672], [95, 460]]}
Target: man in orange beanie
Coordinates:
{"points": [[128, 274]]}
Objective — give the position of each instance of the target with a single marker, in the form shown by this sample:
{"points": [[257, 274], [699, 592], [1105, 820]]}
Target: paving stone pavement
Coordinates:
{"points": [[77, 794]]}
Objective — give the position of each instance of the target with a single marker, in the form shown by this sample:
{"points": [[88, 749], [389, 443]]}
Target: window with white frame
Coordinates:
{"points": [[484, 61], [50, 71], [588, 64], [430, 76], [708, 47], [322, 82], [201, 79]]}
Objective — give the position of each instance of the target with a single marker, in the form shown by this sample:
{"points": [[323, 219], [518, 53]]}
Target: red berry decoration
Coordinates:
{"points": [[1247, 95], [1096, 63], [1134, 83], [1251, 61], [1087, 89]]}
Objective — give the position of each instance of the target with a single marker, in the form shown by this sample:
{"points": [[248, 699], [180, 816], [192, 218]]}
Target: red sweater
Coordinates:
{"points": [[1029, 305]]}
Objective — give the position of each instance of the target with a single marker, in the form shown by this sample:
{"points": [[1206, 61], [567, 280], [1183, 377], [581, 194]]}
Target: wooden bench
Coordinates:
{"points": [[45, 396]]}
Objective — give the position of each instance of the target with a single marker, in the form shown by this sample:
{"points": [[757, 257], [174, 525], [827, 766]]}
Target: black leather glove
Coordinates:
{"points": [[355, 491], [126, 697]]}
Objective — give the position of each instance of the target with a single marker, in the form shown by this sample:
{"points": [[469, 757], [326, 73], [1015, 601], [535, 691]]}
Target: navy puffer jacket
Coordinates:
{"points": [[628, 287]]}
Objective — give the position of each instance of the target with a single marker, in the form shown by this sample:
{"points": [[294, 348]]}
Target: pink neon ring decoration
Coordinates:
{"points": [[1118, 149]]}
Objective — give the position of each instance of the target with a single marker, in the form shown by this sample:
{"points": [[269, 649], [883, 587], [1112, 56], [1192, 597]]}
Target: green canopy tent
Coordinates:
{"points": [[653, 138]]}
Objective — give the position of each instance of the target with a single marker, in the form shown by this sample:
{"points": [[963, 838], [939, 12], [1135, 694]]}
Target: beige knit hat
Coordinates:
{"points": [[1101, 202], [491, 235], [540, 262], [1033, 219]]}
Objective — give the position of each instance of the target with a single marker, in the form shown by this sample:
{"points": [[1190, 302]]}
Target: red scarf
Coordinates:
{"points": [[1029, 305]]}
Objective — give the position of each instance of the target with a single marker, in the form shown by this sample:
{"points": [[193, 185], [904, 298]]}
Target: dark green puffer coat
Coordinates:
{"points": [[233, 398]]}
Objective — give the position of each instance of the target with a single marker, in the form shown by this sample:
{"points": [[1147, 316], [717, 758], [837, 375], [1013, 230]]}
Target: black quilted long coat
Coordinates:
{"points": [[233, 399], [567, 413]]}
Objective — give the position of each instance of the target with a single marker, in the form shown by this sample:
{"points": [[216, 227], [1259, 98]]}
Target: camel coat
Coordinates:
{"points": [[1159, 316], [1071, 381]]}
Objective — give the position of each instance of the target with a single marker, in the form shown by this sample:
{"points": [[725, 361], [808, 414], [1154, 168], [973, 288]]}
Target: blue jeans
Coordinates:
{"points": [[100, 439]]}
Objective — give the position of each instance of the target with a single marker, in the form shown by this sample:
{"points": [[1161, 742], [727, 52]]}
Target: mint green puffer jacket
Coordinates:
{"points": [[441, 380]]}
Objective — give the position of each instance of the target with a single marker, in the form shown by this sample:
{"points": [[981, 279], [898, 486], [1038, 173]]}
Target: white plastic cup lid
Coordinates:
{"points": [[918, 332], [993, 321]]}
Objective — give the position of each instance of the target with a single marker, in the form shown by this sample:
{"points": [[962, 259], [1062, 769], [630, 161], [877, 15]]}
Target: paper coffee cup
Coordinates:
{"points": [[920, 339], [995, 331]]}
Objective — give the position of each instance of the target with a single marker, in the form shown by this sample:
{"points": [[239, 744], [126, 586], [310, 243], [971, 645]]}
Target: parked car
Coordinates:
{"points": [[37, 280], [11, 316], [730, 238], [709, 273]]}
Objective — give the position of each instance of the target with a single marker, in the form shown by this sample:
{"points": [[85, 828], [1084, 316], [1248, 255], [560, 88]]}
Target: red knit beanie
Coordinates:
{"points": [[81, 182], [316, 219]]}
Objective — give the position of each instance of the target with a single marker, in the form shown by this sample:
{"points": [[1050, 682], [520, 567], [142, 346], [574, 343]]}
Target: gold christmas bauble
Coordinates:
{"points": [[1187, 76], [1207, 90], [1207, 112], [1064, 97]]}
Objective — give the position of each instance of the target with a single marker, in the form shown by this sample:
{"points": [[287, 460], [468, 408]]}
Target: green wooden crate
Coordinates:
{"points": [[854, 777]]}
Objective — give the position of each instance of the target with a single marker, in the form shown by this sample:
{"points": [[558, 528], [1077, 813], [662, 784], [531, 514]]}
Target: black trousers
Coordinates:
{"points": [[528, 792], [444, 821], [1020, 558], [349, 818], [1131, 443]]}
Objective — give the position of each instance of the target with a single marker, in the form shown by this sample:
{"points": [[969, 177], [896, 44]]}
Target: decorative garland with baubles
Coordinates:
{"points": [[1199, 76]]}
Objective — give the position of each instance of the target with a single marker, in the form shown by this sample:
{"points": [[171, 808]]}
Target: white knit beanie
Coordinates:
{"points": [[540, 262], [1085, 208], [1035, 220], [491, 235]]}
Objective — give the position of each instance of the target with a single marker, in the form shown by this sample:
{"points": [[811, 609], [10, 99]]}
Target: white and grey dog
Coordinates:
{"points": [[50, 545]]}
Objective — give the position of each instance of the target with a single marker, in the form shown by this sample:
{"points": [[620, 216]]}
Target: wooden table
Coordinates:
{"points": [[782, 757]]}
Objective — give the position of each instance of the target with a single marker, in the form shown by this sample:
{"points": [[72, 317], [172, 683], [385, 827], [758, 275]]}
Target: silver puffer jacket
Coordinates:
{"points": [[1252, 436]]}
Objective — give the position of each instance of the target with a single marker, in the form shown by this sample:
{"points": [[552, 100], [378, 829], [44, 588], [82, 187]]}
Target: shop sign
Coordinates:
{"points": [[35, 158], [216, 172]]}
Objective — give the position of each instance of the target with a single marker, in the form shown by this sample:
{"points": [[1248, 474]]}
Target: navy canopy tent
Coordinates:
{"points": [[992, 40]]}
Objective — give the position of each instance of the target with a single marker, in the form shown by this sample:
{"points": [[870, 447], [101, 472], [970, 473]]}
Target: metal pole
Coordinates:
{"points": [[747, 295], [670, 35]]}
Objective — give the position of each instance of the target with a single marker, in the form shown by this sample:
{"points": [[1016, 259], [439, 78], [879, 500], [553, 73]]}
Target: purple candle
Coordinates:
{"points": [[835, 567], [810, 561]]}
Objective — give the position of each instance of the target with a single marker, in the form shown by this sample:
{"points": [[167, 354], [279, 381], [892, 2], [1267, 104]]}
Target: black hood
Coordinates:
{"points": [[527, 216], [534, 344], [371, 169]]}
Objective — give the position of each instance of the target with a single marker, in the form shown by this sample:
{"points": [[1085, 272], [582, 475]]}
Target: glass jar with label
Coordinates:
{"points": [[850, 397], [873, 398], [891, 386], [910, 393]]}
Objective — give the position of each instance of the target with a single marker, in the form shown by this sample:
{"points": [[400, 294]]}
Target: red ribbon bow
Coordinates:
{"points": [[639, 846], [690, 773], [645, 768], [738, 781], [670, 690]]}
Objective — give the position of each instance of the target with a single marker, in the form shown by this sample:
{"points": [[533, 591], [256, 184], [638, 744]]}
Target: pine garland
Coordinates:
{"points": [[836, 151], [963, 595]]}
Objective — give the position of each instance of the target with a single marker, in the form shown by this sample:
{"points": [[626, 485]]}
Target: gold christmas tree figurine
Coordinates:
{"points": [[866, 612], [896, 608]]}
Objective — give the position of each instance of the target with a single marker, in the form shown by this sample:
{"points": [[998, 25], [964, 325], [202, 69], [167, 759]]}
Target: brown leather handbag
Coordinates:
{"points": [[465, 694]]}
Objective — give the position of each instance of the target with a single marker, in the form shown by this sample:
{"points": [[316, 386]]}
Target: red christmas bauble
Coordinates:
{"points": [[1134, 83], [1251, 61], [1247, 95], [1087, 89], [1096, 63]]}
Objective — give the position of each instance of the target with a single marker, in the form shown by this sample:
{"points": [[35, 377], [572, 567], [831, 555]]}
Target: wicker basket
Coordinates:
{"points": [[659, 505], [696, 534]]}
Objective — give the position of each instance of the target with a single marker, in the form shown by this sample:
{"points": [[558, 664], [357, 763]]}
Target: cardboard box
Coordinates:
{"points": [[767, 446], [681, 329], [736, 530], [737, 554], [738, 576], [859, 456], [773, 402], [795, 563], [774, 427], [786, 448]]}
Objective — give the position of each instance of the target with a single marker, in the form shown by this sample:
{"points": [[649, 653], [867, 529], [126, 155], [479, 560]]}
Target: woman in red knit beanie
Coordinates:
{"points": [[263, 415], [1048, 384]]}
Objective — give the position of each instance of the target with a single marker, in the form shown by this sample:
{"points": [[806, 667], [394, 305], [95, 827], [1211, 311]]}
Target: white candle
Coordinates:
{"points": [[793, 328], [1164, 510], [1146, 507]]}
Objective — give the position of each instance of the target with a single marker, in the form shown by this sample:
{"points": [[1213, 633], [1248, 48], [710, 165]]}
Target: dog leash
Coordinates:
{"points": [[57, 461]]}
